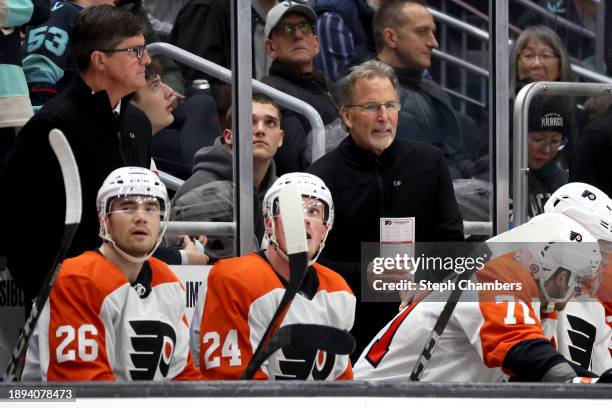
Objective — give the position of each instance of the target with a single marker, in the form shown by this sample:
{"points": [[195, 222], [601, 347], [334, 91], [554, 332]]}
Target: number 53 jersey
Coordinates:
{"points": [[235, 305], [97, 326]]}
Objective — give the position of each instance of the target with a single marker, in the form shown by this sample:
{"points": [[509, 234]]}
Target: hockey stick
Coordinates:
{"points": [[292, 215], [313, 336], [72, 187], [538, 230]]}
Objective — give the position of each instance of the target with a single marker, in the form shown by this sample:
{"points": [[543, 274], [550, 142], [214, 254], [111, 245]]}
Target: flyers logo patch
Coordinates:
{"points": [[574, 236], [589, 195], [298, 363], [153, 348]]}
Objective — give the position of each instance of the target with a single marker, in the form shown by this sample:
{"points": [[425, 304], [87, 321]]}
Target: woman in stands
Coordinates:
{"points": [[540, 55]]}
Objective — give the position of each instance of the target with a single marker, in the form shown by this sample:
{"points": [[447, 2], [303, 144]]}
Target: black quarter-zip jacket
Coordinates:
{"points": [[408, 179]]}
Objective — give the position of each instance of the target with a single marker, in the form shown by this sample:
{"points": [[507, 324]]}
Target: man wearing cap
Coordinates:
{"points": [[547, 119], [292, 44]]}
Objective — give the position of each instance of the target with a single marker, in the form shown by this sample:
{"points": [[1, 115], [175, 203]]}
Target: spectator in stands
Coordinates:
{"points": [[292, 44], [547, 120], [592, 161], [580, 12], [109, 48], [127, 307], [344, 28], [203, 27], [195, 201], [48, 64], [162, 14], [15, 106], [374, 174], [157, 101], [170, 72], [539, 55], [404, 32]]}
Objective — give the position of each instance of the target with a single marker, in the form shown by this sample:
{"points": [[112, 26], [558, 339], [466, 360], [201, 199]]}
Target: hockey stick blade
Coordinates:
{"points": [[292, 216], [72, 187], [312, 336]]}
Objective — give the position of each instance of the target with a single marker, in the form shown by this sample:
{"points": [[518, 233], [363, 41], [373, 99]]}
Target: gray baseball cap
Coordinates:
{"points": [[277, 12]]}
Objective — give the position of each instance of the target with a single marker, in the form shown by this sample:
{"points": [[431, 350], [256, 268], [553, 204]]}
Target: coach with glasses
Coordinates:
{"points": [[108, 47], [372, 175], [292, 44]]}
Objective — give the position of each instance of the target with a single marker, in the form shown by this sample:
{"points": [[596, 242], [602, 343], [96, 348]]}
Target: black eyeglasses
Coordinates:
{"points": [[287, 29], [373, 107], [140, 50]]}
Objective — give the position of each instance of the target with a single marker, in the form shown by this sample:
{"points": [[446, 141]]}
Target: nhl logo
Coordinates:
{"points": [[140, 289], [574, 236]]}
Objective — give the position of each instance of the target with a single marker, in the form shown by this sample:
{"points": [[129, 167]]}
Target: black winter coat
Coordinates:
{"points": [[32, 200], [295, 153], [592, 162]]}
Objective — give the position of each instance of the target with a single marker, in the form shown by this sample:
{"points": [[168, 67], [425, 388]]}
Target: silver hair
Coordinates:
{"points": [[548, 37], [366, 70]]}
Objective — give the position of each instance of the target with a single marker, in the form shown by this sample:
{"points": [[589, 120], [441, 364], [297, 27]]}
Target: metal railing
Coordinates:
{"points": [[521, 112], [224, 74], [483, 35]]}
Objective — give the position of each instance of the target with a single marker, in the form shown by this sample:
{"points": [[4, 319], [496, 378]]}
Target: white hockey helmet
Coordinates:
{"points": [[572, 249], [309, 186], [131, 181], [587, 205]]}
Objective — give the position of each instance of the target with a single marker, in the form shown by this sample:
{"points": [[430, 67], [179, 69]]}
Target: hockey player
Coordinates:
{"points": [[581, 329], [493, 334], [116, 313], [240, 295]]}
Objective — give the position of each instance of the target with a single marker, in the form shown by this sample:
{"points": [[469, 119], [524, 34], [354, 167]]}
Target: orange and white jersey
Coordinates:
{"points": [[235, 305], [97, 326], [483, 328]]}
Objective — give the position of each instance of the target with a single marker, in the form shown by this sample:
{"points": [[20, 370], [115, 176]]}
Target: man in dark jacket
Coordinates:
{"points": [[592, 162], [292, 44], [404, 32], [374, 175], [195, 202], [344, 29], [108, 46]]}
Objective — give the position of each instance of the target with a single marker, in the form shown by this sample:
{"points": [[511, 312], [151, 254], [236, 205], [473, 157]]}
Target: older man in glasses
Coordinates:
{"points": [[108, 46], [376, 179], [292, 44]]}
